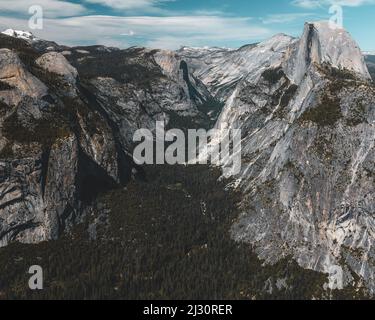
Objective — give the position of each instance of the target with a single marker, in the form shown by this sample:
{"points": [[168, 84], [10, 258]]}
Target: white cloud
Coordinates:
{"points": [[129, 4], [311, 4], [352, 3], [51, 8], [307, 4], [161, 32]]}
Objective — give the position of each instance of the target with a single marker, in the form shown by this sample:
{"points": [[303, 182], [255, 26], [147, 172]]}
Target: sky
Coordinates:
{"points": [[170, 24]]}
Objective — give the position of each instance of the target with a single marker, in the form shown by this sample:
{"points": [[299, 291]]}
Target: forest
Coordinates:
{"points": [[166, 236]]}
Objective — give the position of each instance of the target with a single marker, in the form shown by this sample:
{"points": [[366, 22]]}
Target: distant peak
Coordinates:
{"points": [[204, 49], [323, 42], [278, 42], [25, 35]]}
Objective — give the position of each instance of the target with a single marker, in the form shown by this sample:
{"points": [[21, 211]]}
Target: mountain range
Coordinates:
{"points": [[305, 107]]}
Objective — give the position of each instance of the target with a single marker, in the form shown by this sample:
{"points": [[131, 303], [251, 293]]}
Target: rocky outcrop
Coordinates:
{"points": [[56, 63], [56, 152], [322, 43], [136, 87], [305, 107], [370, 62], [67, 121], [308, 141], [221, 70], [19, 80]]}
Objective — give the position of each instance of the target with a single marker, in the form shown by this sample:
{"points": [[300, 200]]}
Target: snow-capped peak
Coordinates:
{"points": [[25, 35]]}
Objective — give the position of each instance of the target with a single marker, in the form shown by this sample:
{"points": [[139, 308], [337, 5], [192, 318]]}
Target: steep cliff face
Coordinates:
{"points": [[323, 44], [222, 69], [308, 147], [67, 121], [305, 107], [370, 61], [136, 87], [49, 139]]}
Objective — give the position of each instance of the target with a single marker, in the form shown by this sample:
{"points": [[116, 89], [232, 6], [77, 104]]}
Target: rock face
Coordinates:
{"points": [[67, 120], [136, 87], [370, 61], [222, 69], [20, 81], [308, 144], [324, 44], [55, 62], [45, 156], [305, 107]]}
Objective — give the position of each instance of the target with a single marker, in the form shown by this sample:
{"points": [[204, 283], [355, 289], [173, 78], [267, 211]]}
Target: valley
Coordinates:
{"points": [[73, 200], [153, 240]]}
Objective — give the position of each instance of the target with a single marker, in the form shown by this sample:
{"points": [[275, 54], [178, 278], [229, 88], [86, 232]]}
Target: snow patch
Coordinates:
{"points": [[25, 35]]}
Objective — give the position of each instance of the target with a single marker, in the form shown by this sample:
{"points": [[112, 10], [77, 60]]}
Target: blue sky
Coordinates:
{"points": [[173, 23]]}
